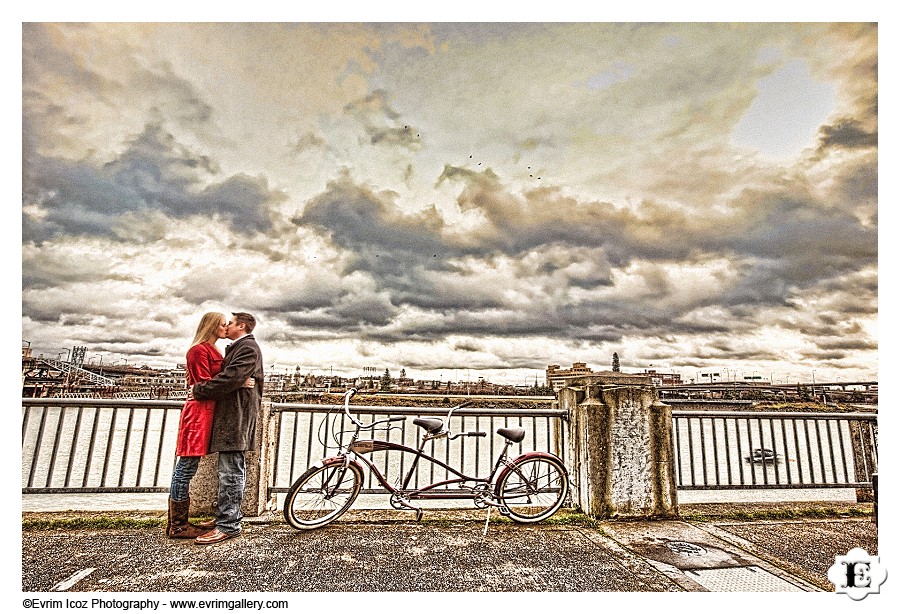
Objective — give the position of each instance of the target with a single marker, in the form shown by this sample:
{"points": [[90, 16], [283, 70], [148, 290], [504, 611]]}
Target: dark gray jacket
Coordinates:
{"points": [[237, 408]]}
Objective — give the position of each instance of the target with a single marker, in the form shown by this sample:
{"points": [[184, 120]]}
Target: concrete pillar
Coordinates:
{"points": [[260, 469], [621, 449]]}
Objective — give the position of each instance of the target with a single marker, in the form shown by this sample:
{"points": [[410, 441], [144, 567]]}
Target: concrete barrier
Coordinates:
{"points": [[621, 449], [260, 467]]}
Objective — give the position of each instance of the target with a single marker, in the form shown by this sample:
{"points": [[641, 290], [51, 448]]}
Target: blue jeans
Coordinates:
{"points": [[232, 476], [185, 469]]}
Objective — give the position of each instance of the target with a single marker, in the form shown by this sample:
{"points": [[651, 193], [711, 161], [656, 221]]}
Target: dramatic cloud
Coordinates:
{"points": [[483, 197], [154, 173]]}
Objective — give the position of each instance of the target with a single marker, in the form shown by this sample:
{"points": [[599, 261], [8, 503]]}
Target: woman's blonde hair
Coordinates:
{"points": [[208, 328]]}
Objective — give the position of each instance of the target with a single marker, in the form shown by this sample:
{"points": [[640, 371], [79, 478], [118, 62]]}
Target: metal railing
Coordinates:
{"points": [[72, 446], [98, 445], [756, 450], [128, 446], [307, 433]]}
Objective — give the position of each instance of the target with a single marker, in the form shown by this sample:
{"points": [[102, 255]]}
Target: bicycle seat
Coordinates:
{"points": [[515, 433], [432, 425]]}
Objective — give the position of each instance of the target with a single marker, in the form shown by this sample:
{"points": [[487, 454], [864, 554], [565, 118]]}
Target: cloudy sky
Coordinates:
{"points": [[457, 200]]}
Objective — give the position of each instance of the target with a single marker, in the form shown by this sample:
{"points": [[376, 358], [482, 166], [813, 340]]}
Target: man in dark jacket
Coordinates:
{"points": [[237, 390]]}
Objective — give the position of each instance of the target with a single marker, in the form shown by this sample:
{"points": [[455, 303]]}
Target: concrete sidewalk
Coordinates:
{"points": [[389, 551]]}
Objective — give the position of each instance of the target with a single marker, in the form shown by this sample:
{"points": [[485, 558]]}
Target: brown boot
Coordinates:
{"points": [[177, 525]]}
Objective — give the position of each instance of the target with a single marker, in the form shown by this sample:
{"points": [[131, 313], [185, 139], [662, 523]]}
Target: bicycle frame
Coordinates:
{"points": [[365, 446], [351, 453]]}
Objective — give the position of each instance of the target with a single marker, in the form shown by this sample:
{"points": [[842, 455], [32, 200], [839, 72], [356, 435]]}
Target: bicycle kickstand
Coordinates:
{"points": [[418, 510], [486, 521]]}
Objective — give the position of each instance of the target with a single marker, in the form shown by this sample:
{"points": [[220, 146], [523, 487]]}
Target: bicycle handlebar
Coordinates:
{"points": [[349, 395], [470, 434], [352, 391]]}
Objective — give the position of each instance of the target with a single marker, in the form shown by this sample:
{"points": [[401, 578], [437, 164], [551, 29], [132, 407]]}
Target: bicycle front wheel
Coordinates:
{"points": [[534, 488], [322, 494]]}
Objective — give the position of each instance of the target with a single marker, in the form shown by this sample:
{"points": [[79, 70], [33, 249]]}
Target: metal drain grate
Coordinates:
{"points": [[686, 548], [741, 579]]}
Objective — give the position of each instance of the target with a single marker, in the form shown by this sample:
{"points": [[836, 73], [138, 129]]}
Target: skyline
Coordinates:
{"points": [[435, 197], [94, 362]]}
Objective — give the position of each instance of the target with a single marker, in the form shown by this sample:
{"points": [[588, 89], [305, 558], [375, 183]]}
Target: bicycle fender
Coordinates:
{"points": [[337, 460], [523, 457]]}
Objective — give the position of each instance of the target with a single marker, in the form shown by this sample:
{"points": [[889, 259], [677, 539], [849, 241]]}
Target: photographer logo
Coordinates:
{"points": [[857, 574]]}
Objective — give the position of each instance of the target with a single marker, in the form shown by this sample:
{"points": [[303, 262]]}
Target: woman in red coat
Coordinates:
{"points": [[204, 361]]}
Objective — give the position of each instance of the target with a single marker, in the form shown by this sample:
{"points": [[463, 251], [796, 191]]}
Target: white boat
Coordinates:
{"points": [[763, 455]]}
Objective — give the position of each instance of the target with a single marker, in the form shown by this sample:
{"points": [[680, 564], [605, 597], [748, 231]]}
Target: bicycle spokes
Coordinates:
{"points": [[533, 489], [322, 494]]}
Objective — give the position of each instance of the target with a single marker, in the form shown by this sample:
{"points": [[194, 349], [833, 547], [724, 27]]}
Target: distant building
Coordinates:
{"points": [[663, 379], [556, 376]]}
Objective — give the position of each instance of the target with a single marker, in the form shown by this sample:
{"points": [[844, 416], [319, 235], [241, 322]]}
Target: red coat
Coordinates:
{"points": [[203, 363]]}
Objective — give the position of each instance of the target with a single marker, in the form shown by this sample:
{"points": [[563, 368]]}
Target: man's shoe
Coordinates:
{"points": [[206, 524], [215, 536]]}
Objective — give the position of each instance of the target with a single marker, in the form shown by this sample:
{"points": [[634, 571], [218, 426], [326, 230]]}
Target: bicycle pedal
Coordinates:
{"points": [[504, 510], [419, 514]]}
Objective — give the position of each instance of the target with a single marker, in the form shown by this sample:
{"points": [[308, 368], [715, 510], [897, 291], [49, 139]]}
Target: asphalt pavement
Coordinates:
{"points": [[450, 551]]}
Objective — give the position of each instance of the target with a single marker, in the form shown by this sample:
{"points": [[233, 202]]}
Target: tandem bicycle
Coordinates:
{"points": [[526, 489]]}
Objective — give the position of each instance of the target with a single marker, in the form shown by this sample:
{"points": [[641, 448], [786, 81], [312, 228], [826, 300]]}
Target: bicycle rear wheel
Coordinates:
{"points": [[534, 488], [322, 494]]}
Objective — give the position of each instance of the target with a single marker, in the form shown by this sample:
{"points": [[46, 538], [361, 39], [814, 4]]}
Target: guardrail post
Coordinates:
{"points": [[863, 457], [260, 468], [875, 495], [558, 433], [621, 447]]}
